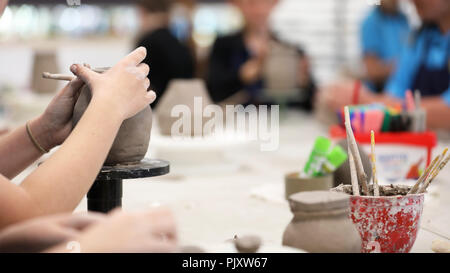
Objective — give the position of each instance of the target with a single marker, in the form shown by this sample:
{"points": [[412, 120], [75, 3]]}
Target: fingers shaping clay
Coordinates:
{"points": [[132, 140]]}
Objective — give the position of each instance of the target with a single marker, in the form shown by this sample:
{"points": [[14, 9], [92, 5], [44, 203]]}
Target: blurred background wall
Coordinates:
{"points": [[100, 32]]}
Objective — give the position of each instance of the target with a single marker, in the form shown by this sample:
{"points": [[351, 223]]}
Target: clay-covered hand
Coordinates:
{"points": [[41, 233], [123, 88], [149, 231], [56, 121]]}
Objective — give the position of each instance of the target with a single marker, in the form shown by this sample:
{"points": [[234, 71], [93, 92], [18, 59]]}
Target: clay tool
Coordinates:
{"points": [[317, 157], [356, 92], [425, 174], [362, 177], [441, 165], [374, 167], [62, 77]]}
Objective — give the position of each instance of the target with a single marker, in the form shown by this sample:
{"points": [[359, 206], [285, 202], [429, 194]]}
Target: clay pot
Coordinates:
{"points": [[294, 183], [183, 92], [387, 224], [321, 223], [132, 140], [44, 61]]}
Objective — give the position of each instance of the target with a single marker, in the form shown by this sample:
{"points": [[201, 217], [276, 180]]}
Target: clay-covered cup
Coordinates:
{"points": [[294, 183]]}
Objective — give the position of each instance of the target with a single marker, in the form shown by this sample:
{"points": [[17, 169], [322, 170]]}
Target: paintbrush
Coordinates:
{"points": [[424, 176], [441, 165], [376, 190], [362, 177]]}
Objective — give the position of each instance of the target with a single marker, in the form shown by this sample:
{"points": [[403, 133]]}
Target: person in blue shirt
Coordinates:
{"points": [[424, 66], [384, 34]]}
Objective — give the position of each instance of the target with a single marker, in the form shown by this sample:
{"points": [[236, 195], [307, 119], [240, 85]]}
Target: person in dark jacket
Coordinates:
{"points": [[168, 57], [238, 62]]}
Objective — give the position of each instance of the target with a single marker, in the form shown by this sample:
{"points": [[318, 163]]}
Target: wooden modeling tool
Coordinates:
{"points": [[62, 77], [362, 177], [376, 190]]}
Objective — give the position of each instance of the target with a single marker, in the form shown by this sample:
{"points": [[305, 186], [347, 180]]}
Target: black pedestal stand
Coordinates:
{"points": [[106, 192]]}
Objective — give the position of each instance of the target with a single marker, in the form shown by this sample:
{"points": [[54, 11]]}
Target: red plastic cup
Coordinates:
{"points": [[387, 224]]}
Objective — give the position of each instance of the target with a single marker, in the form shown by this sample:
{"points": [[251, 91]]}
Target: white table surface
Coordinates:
{"points": [[213, 206]]}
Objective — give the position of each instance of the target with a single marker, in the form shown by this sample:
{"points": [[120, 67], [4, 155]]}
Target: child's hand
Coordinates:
{"points": [[123, 87], [148, 231], [38, 234], [55, 124]]}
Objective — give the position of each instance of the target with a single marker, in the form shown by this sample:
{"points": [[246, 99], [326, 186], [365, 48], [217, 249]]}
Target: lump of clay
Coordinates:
{"points": [[132, 140], [247, 244], [342, 174], [182, 92]]}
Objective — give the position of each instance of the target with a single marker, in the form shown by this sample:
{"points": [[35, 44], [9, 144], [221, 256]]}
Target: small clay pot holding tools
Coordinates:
{"points": [[132, 140], [321, 223], [387, 223], [295, 183]]}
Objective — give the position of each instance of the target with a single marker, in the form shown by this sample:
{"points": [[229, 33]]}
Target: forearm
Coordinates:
{"points": [[17, 151], [438, 113], [59, 184]]}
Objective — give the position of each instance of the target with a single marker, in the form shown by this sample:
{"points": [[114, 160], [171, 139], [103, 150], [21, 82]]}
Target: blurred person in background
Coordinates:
{"points": [[384, 34], [237, 62], [424, 66], [31, 213], [169, 58]]}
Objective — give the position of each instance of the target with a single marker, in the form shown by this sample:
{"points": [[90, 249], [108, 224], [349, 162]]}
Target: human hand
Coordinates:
{"points": [[338, 95], [149, 231], [41, 233], [55, 124], [251, 71], [122, 88]]}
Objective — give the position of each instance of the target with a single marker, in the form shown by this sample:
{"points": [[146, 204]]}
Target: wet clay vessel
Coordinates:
{"points": [[132, 140], [321, 223]]}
